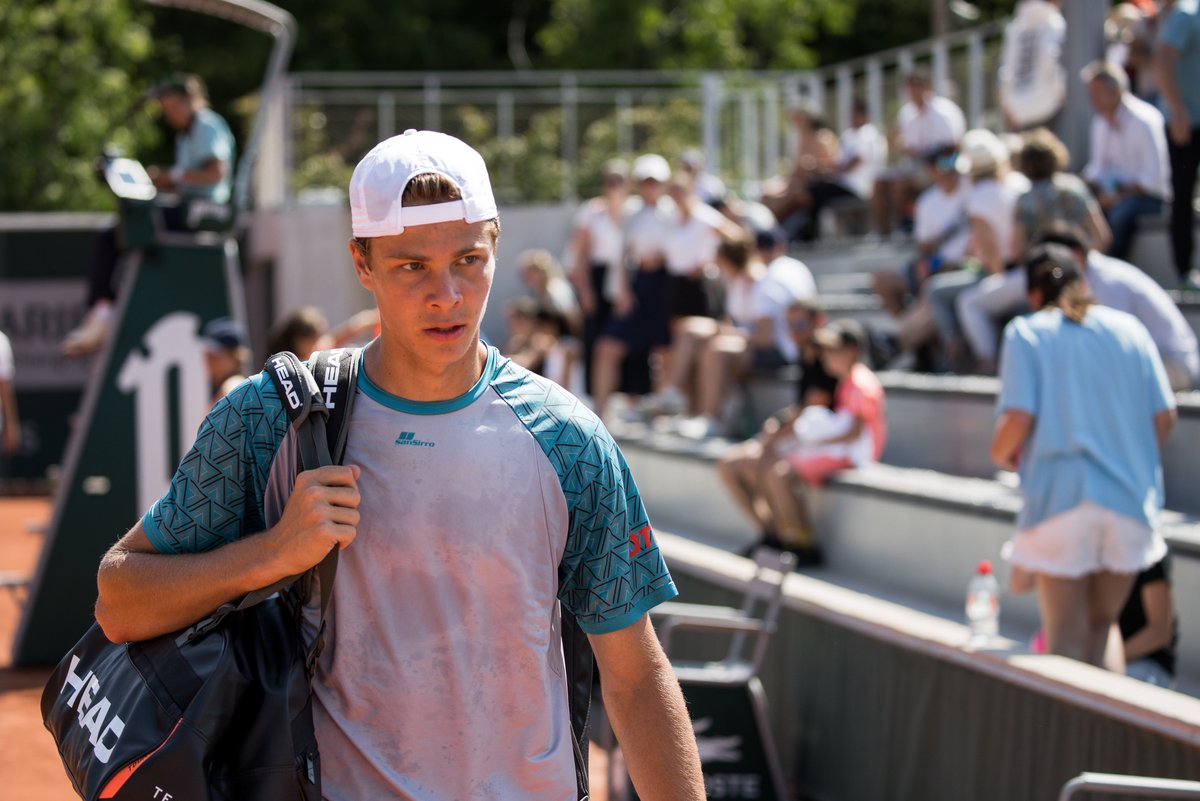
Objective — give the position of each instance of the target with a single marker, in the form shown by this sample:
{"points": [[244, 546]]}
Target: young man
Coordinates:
{"points": [[203, 170], [442, 676]]}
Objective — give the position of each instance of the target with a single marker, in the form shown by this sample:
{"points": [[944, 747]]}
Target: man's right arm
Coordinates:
{"points": [[144, 593]]}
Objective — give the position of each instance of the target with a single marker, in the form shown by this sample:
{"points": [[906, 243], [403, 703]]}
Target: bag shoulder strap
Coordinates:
{"points": [[336, 374], [309, 416]]}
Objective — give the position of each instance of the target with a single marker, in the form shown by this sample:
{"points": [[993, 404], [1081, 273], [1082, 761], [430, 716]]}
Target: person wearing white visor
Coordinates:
{"points": [[475, 502]]}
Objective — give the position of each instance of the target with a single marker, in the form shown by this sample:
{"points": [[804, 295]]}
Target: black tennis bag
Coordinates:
{"points": [[223, 709]]}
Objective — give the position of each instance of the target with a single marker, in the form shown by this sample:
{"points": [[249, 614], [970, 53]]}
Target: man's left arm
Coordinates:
{"points": [[645, 706]]}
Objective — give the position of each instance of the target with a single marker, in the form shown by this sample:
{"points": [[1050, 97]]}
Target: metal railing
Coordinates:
{"points": [[1113, 784], [546, 135]]}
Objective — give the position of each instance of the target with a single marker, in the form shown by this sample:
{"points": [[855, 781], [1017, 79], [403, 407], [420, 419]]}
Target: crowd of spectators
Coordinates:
{"points": [[673, 289]]}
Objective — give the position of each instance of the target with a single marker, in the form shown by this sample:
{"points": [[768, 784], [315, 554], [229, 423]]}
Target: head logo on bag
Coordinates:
{"points": [[94, 714]]}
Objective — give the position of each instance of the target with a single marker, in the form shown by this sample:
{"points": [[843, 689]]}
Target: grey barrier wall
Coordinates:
{"points": [[913, 535], [874, 703]]}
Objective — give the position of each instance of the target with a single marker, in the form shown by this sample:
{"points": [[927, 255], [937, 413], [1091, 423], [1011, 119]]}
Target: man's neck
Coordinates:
{"points": [[396, 372]]}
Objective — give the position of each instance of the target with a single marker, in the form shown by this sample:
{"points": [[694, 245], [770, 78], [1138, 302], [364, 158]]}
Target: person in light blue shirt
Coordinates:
{"points": [[1176, 65], [203, 171], [1085, 408]]}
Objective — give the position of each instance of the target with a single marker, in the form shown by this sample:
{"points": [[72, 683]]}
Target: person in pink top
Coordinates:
{"points": [[851, 435]]}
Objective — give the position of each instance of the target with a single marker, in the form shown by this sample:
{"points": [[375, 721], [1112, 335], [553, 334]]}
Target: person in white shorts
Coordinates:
{"points": [[475, 502], [1085, 408]]}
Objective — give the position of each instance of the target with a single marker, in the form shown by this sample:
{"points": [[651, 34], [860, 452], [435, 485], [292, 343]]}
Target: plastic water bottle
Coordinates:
{"points": [[983, 605]]}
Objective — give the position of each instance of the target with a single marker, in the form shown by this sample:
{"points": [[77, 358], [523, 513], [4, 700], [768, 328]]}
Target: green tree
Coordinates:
{"points": [[69, 68], [689, 34]]}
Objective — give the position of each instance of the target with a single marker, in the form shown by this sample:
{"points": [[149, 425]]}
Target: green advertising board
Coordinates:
{"points": [[737, 755], [147, 396], [43, 263]]}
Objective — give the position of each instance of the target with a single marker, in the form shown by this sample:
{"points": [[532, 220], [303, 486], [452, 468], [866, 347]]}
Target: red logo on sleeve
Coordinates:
{"points": [[640, 540]]}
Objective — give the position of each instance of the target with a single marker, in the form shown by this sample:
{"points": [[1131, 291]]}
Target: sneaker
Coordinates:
{"points": [[699, 428], [667, 401], [91, 334]]}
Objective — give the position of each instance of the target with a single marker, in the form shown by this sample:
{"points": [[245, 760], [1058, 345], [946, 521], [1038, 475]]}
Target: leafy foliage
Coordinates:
{"points": [[69, 68]]}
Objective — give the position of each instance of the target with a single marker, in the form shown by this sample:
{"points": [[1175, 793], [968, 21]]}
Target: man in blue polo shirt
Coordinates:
{"points": [[203, 170]]}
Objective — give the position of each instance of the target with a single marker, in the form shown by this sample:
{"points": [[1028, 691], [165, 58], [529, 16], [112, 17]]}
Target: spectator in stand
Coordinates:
{"points": [[744, 466], [1121, 286], [1177, 68], [925, 125], [991, 204], [1085, 408], [1149, 628], [302, 332], [942, 233], [543, 278], [788, 280], [523, 345], [1129, 33], [689, 248], [639, 326], [226, 354], [10, 424], [709, 188], [1055, 197], [596, 248], [1127, 166], [861, 151], [719, 353], [790, 199], [563, 360], [825, 441], [1033, 83]]}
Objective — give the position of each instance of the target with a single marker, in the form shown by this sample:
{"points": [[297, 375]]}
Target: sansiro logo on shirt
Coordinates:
{"points": [[410, 438]]}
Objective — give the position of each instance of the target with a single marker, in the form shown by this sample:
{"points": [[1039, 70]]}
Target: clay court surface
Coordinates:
{"points": [[29, 765]]}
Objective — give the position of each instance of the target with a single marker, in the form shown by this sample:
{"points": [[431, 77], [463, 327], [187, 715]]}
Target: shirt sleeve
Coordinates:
{"points": [[1018, 370], [1162, 397], [213, 143], [216, 495], [1176, 32], [612, 572]]}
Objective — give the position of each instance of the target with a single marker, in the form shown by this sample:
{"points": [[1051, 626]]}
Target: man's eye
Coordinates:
{"points": [[412, 266], [469, 260]]}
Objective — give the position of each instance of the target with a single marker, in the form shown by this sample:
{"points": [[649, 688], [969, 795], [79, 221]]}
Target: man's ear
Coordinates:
{"points": [[361, 269]]}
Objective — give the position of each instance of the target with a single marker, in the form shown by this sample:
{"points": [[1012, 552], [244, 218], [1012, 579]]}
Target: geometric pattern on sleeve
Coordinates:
{"points": [[216, 495], [612, 569]]}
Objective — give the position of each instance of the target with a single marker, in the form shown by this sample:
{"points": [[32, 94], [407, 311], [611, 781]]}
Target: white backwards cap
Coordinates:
{"points": [[380, 178]]}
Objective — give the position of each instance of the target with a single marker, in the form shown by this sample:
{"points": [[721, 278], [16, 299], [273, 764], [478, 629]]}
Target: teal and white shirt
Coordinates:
{"points": [[443, 673]]}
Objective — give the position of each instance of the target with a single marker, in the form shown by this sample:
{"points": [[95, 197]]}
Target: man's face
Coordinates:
{"points": [[918, 92], [1104, 96], [431, 284], [650, 189], [802, 324], [176, 110]]}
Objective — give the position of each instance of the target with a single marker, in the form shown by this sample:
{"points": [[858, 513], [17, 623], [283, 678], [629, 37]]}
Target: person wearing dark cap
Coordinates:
{"points": [[852, 434], [226, 354], [1084, 411], [203, 170]]}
